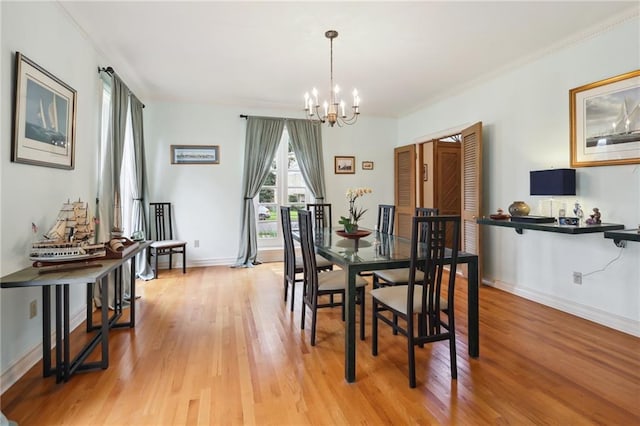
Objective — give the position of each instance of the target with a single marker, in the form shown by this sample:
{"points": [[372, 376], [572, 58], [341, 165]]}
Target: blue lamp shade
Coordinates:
{"points": [[552, 182]]}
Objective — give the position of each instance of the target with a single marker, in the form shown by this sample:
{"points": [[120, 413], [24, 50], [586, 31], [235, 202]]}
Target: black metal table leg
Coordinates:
{"points": [[105, 323], [67, 354], [473, 308], [350, 332], [59, 358], [46, 330]]}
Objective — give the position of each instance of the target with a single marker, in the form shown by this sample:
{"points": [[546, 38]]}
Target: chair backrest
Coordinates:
{"points": [[430, 260], [289, 251], [424, 212], [321, 215], [308, 255], [386, 217], [160, 222]]}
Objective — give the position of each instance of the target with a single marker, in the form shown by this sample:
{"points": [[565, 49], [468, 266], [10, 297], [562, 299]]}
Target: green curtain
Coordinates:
{"points": [[143, 269], [306, 141], [261, 143], [119, 105]]}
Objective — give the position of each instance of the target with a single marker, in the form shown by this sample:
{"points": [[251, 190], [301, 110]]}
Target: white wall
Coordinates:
{"points": [[207, 198], [525, 115], [32, 193]]}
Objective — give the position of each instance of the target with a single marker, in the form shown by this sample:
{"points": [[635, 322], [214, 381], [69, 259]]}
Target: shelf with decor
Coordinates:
{"points": [[551, 227]]}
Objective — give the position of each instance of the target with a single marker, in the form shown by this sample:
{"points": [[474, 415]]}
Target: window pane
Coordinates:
{"points": [[267, 195]]}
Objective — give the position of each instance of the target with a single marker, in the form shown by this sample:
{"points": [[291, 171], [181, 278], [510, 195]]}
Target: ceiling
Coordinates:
{"points": [[266, 55]]}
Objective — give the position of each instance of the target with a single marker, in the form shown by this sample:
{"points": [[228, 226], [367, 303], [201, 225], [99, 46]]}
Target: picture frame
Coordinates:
{"points": [[344, 164], [195, 154], [425, 172], [367, 165], [44, 117], [605, 122]]}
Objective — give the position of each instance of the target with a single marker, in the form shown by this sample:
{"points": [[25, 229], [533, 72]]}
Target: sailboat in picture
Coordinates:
{"points": [[69, 238]]}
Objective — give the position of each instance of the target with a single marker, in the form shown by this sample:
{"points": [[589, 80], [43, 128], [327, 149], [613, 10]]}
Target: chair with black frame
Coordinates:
{"points": [[293, 264], [401, 275], [161, 233], [326, 283], [428, 299], [386, 218], [321, 215]]}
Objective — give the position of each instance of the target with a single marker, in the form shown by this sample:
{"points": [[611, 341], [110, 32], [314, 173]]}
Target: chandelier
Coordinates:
{"points": [[333, 109]]}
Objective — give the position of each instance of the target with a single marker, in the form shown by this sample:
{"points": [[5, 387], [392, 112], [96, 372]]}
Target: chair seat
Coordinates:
{"points": [[397, 276], [321, 263], [167, 244], [335, 280], [395, 297]]}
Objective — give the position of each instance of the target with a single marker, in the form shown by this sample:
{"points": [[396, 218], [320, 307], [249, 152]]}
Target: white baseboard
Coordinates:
{"points": [[34, 356], [590, 313]]}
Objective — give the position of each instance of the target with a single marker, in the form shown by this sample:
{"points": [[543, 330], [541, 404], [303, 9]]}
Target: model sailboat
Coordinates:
{"points": [[69, 238]]}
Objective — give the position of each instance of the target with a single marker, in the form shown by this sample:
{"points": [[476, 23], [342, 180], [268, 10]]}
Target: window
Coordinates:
{"points": [[284, 186]]}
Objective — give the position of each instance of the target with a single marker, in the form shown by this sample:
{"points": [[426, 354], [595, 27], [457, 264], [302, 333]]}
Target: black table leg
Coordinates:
{"points": [[132, 294], [59, 359], [46, 330], [105, 322], [89, 306], [473, 308], [350, 332], [67, 355]]}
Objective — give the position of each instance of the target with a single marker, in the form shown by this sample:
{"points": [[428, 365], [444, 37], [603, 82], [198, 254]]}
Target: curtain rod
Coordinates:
{"points": [[245, 116], [111, 71]]}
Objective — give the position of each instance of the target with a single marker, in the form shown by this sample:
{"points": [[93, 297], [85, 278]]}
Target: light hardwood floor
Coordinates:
{"points": [[218, 346]]}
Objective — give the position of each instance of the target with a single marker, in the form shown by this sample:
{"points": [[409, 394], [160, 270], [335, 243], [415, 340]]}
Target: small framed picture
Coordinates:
{"points": [[367, 165], [195, 154], [425, 172], [344, 164]]}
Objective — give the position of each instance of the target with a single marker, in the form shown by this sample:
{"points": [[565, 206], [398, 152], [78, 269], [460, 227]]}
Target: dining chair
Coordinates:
{"points": [[426, 305], [293, 264], [326, 283], [321, 215], [386, 217], [161, 233], [398, 276]]}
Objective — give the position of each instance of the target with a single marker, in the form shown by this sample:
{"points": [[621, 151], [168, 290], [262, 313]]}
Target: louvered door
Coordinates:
{"points": [[405, 188], [471, 189]]}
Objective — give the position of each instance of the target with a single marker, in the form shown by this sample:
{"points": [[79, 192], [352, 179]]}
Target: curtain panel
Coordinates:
{"points": [[262, 140], [143, 269], [306, 141]]}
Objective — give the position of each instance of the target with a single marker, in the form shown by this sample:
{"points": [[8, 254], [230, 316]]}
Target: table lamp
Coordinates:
{"points": [[552, 182]]}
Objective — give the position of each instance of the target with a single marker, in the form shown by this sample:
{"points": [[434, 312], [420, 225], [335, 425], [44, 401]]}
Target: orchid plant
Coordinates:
{"points": [[355, 214]]}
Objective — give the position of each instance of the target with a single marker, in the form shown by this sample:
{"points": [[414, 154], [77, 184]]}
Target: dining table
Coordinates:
{"points": [[372, 250]]}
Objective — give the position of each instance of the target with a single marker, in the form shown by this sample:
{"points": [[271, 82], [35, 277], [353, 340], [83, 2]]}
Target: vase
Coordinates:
{"points": [[519, 208]]}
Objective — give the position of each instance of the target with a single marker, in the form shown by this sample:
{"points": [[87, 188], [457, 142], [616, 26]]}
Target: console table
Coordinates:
{"points": [[97, 271], [551, 227]]}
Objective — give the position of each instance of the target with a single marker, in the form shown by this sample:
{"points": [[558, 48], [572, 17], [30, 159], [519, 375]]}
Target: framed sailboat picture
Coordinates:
{"points": [[605, 122], [44, 117]]}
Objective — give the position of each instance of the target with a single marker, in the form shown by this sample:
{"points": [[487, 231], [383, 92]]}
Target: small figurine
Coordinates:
{"points": [[594, 219], [577, 210]]}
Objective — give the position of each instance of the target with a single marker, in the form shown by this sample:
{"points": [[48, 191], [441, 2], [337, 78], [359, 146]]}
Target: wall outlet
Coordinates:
{"points": [[577, 278], [196, 243], [33, 309]]}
